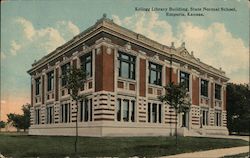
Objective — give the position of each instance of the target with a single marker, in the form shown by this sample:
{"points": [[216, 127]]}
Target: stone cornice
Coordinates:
{"points": [[108, 26]]}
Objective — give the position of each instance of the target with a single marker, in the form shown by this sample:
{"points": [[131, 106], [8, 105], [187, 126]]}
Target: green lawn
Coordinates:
{"points": [[45, 146]]}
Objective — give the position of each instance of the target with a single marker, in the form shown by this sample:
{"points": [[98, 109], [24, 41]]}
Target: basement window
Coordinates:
{"points": [[86, 110], [154, 113], [125, 110]]}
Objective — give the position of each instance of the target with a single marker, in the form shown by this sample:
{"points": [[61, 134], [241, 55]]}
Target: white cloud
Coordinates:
{"points": [[3, 56], [116, 19], [67, 29], [73, 28], [28, 28], [48, 38], [148, 24], [14, 47], [214, 45]]}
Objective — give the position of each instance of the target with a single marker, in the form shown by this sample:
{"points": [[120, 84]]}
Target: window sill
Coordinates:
{"points": [[204, 97], [218, 108], [126, 79], [218, 100], [154, 86], [88, 78], [51, 91]]}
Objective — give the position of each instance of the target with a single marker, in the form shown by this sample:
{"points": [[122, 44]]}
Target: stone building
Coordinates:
{"points": [[126, 73]]}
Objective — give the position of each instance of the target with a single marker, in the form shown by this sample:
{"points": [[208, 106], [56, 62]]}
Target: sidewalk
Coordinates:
{"points": [[246, 138], [212, 153]]}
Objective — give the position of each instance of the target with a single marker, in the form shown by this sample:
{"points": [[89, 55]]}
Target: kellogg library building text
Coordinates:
{"points": [[127, 72]]}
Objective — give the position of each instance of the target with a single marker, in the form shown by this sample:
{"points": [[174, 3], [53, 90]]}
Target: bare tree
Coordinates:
{"points": [[75, 79], [177, 97]]}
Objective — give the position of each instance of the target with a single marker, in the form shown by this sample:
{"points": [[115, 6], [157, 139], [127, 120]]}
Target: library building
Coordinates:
{"points": [[127, 72]]}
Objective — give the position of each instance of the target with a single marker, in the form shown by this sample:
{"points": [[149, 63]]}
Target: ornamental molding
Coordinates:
{"points": [[125, 50], [128, 46], [109, 51], [98, 51], [65, 57], [103, 39], [182, 52], [156, 57], [84, 46], [195, 72], [107, 25]]}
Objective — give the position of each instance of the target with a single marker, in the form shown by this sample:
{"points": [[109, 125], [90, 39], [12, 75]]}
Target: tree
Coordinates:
{"points": [[238, 109], [177, 97], [20, 121], [26, 116], [2, 124], [75, 79]]}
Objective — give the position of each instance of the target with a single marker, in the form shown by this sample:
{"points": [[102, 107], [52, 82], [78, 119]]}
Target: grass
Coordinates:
{"points": [[46, 146]]}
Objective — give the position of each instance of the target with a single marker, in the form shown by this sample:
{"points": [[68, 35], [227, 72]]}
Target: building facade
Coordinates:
{"points": [[126, 74]]}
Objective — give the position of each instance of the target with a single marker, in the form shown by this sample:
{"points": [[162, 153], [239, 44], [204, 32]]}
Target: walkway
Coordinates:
{"points": [[212, 153], [246, 138]]}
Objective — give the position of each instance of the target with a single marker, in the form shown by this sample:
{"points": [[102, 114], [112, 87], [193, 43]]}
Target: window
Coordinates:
{"points": [[204, 88], [64, 69], [217, 91], [65, 113], [86, 111], [126, 65], [90, 110], [160, 113], [132, 111], [86, 63], [154, 113], [37, 116], [204, 114], [155, 73], [149, 112], [184, 79], [38, 82], [50, 81], [217, 120], [125, 110], [118, 110], [50, 114]]}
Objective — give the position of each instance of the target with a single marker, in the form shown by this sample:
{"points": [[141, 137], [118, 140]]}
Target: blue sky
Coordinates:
{"points": [[31, 29]]}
